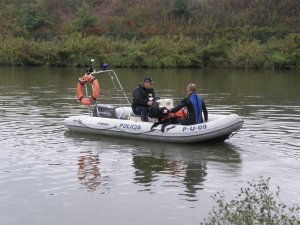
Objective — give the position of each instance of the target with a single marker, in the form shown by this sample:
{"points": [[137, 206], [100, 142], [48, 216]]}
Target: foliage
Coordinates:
{"points": [[181, 9], [244, 34], [34, 18], [245, 54], [255, 204], [257, 18], [12, 51], [84, 19], [158, 52]]}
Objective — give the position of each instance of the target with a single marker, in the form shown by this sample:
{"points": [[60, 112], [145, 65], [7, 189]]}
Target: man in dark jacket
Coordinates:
{"points": [[143, 98], [194, 104]]}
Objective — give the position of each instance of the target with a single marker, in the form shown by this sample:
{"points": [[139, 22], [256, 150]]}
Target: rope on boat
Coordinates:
{"points": [[235, 132]]}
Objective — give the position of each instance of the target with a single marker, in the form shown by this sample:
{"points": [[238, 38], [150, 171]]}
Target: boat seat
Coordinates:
{"points": [[117, 112], [137, 118]]}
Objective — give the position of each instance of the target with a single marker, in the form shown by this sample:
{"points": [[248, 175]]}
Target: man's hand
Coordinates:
{"points": [[166, 111], [150, 103]]}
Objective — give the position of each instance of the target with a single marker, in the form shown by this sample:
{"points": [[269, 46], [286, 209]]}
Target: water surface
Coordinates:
{"points": [[51, 176]]}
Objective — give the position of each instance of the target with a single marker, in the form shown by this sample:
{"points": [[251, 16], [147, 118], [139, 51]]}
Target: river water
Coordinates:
{"points": [[51, 176]]}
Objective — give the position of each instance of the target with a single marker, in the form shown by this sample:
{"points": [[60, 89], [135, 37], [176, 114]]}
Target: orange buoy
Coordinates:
{"points": [[87, 100]]}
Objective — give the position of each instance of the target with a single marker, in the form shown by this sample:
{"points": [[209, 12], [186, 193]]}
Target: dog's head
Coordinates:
{"points": [[156, 112]]}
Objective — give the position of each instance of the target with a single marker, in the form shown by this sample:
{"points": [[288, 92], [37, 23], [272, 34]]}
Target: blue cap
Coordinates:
{"points": [[148, 79]]}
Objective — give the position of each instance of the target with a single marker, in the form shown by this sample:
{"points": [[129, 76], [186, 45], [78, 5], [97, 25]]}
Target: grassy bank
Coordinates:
{"points": [[156, 52]]}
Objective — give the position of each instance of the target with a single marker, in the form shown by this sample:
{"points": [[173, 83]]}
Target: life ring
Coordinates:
{"points": [[86, 100]]}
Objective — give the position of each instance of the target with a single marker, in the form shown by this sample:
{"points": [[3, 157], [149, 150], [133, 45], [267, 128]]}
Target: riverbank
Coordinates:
{"points": [[76, 50]]}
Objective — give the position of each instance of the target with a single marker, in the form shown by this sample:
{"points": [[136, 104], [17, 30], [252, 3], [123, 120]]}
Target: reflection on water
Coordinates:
{"points": [[167, 166], [88, 170], [194, 176], [148, 169], [51, 176]]}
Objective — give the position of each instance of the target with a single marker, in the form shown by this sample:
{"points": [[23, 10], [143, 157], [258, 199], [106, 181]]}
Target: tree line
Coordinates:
{"points": [[222, 33]]}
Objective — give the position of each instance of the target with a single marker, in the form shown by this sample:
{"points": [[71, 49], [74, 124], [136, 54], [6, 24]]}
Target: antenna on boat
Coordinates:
{"points": [[115, 80], [93, 64]]}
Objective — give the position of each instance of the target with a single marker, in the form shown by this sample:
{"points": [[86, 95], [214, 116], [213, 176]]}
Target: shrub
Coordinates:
{"points": [[181, 9], [214, 53], [278, 60], [296, 57], [281, 53], [77, 49], [246, 54], [255, 204], [12, 51], [84, 19]]}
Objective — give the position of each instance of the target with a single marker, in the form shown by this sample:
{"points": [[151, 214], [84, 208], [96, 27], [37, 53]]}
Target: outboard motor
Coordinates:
{"points": [[105, 111]]}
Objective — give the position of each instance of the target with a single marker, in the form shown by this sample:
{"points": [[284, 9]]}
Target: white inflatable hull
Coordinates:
{"points": [[218, 128]]}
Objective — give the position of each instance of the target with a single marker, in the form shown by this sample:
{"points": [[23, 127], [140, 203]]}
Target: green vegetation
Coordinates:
{"points": [[157, 52], [255, 204], [151, 33]]}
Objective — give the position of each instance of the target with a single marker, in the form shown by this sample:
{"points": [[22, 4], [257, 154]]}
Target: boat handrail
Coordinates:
{"points": [[117, 85], [113, 76]]}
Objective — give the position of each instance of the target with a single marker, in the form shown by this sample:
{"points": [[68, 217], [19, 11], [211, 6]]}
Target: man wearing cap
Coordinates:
{"points": [[143, 98], [194, 104]]}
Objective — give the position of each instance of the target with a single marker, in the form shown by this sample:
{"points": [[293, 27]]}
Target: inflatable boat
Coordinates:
{"points": [[120, 121]]}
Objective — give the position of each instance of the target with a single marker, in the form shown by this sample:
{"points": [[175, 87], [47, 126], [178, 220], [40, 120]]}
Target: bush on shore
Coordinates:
{"points": [[255, 204], [155, 52]]}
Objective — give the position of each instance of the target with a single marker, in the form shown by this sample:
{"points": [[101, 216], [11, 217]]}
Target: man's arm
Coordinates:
{"points": [[204, 111], [182, 104], [137, 98]]}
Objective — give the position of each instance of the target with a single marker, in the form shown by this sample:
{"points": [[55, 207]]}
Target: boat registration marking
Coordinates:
{"points": [[194, 128]]}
